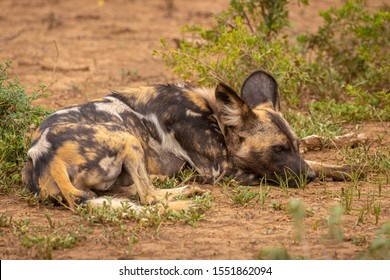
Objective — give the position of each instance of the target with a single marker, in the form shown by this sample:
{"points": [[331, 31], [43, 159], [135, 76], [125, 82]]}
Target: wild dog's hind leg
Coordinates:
{"points": [[58, 171], [134, 164]]}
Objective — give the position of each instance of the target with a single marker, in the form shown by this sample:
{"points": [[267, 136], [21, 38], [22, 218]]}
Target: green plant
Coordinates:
{"points": [[184, 176], [132, 240], [49, 220], [350, 48], [193, 215], [242, 195], [45, 244], [346, 59], [277, 206], [268, 18], [17, 117], [377, 160], [297, 211], [245, 38], [264, 194], [5, 220], [274, 253], [362, 105], [349, 193], [380, 246], [334, 223], [317, 122], [21, 227], [105, 214], [377, 212]]}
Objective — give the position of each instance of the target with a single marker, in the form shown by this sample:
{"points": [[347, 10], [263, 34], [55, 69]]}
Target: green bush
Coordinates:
{"points": [[362, 106], [350, 48], [344, 66], [245, 38], [16, 115]]}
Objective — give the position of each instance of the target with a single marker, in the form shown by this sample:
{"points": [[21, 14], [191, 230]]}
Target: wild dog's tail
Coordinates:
{"points": [[114, 203]]}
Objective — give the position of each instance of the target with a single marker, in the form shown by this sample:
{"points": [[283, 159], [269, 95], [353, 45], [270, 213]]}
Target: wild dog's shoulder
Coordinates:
{"points": [[167, 99]]}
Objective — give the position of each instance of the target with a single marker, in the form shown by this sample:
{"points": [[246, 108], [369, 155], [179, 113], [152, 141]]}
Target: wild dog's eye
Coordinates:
{"points": [[241, 139], [278, 148]]}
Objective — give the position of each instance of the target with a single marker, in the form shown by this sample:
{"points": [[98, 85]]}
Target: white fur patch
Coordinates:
{"points": [[115, 107], [190, 113], [216, 172], [67, 110], [114, 203], [231, 116], [41, 147], [109, 165], [180, 84], [106, 162]]}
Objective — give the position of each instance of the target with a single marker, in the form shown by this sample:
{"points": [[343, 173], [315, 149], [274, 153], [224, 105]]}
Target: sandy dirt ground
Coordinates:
{"points": [[80, 50]]}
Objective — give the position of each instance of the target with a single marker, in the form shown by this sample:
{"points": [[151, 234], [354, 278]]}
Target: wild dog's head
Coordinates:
{"points": [[258, 138]]}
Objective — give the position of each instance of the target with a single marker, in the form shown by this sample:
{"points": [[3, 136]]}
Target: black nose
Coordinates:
{"points": [[311, 175]]}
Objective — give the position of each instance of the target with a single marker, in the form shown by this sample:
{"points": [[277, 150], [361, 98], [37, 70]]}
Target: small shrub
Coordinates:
{"points": [[17, 116], [46, 244], [350, 48], [245, 38], [274, 253], [344, 66], [380, 246]]}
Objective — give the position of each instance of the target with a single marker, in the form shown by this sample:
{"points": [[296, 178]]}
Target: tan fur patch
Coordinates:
{"points": [[196, 99], [140, 94]]}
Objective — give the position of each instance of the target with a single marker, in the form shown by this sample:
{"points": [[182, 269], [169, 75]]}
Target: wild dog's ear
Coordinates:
{"points": [[230, 107], [260, 88]]}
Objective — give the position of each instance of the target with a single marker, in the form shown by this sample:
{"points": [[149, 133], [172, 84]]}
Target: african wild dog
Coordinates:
{"points": [[123, 138]]}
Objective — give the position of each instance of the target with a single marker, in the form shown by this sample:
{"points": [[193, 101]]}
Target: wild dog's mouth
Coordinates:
{"points": [[285, 178], [291, 179]]}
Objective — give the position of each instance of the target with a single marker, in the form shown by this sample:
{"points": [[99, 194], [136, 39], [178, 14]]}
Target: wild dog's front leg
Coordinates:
{"points": [[134, 164], [209, 158], [336, 172]]}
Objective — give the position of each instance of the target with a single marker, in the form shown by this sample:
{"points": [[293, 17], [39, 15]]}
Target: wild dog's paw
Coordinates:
{"points": [[82, 197], [190, 190], [167, 195]]}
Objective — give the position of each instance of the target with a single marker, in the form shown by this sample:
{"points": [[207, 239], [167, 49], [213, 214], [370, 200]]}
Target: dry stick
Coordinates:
{"points": [[218, 77], [249, 23], [314, 142], [379, 118], [336, 172], [55, 64]]}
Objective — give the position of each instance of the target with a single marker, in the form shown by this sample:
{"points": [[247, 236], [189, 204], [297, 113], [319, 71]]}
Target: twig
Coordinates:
{"points": [[226, 22], [379, 118], [218, 77], [249, 23], [55, 64]]}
